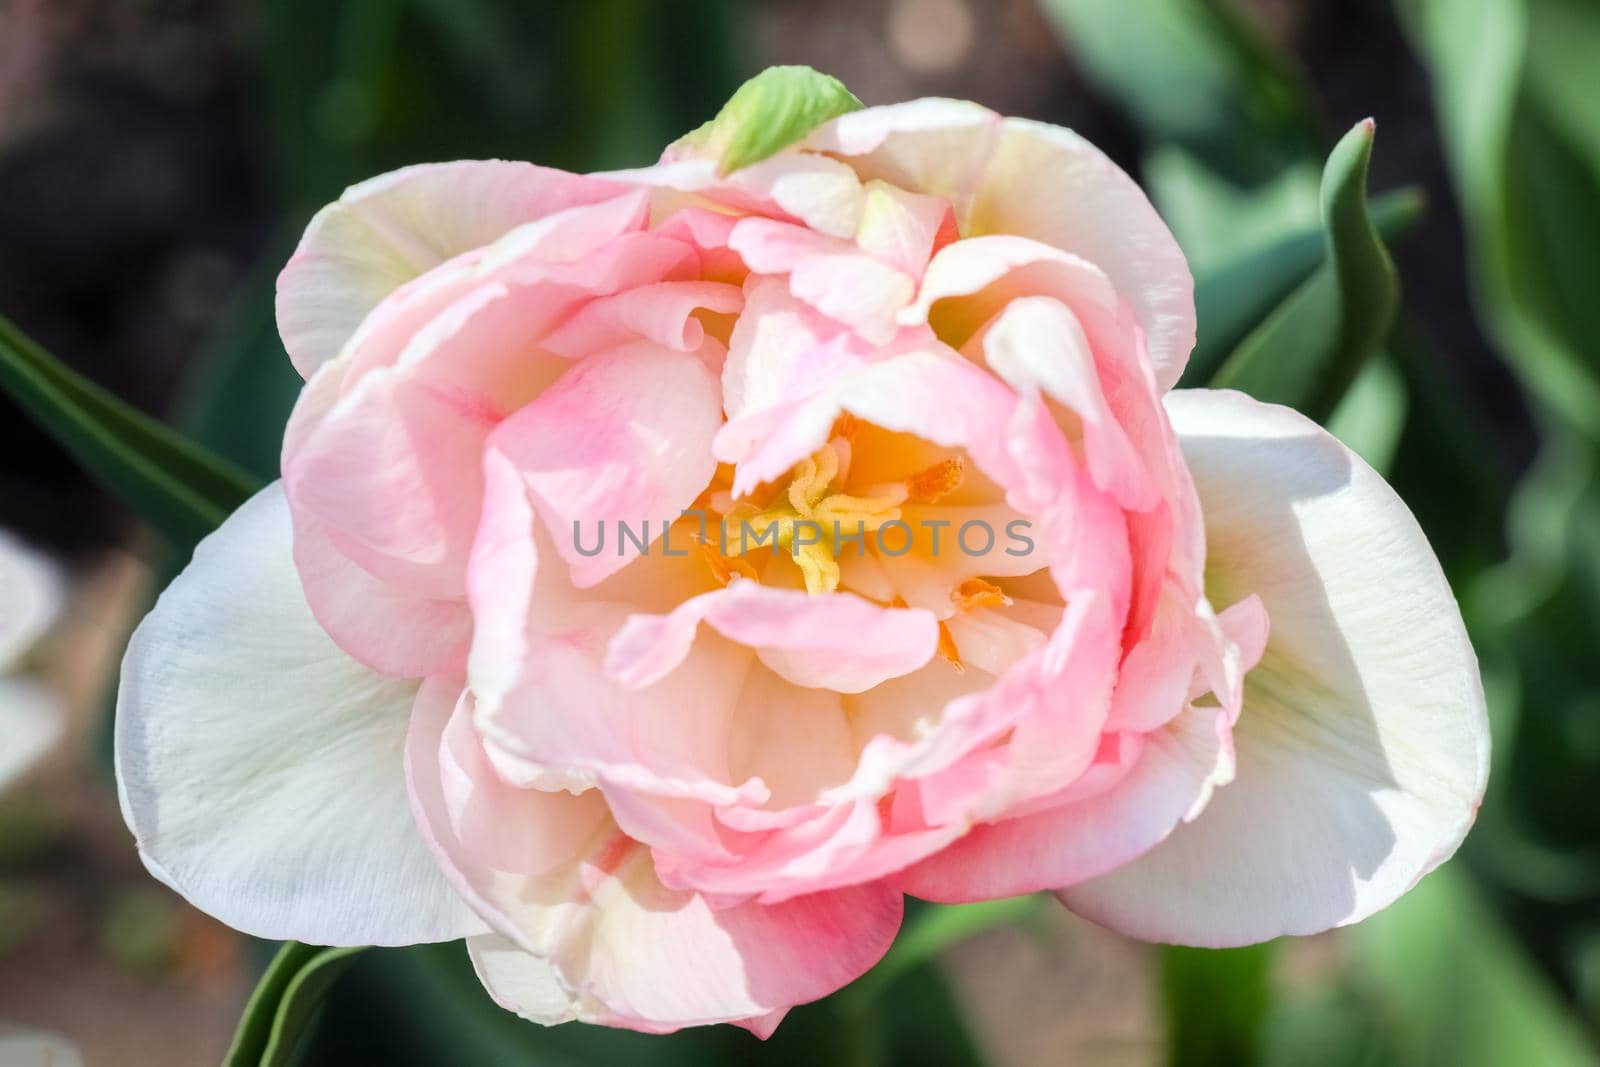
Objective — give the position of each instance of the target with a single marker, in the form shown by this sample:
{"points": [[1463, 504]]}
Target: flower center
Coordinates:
{"points": [[812, 517], [813, 514]]}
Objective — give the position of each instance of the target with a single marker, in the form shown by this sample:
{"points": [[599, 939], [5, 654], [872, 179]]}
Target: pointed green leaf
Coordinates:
{"points": [[1234, 296], [170, 482], [1312, 346], [769, 113], [284, 1001]]}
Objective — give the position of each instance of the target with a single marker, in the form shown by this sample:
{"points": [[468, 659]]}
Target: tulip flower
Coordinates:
{"points": [[674, 568]]}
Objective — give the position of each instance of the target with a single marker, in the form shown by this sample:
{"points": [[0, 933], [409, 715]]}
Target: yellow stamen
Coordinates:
{"points": [[723, 568], [947, 648], [970, 594], [935, 482], [808, 504], [978, 593]]}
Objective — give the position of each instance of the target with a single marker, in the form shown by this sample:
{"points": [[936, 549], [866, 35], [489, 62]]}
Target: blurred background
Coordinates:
{"points": [[159, 157]]}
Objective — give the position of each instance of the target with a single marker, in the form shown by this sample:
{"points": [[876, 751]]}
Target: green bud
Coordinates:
{"points": [[769, 113]]}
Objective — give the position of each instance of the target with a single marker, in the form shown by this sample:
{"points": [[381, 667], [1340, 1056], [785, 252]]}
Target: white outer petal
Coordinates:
{"points": [[1363, 746], [260, 768]]}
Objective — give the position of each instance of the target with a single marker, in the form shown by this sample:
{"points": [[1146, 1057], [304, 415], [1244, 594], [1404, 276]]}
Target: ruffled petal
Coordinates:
{"points": [[622, 438], [1037, 344], [1031, 179], [811, 641], [607, 942], [1048, 183], [393, 228], [1156, 781], [546, 706]]}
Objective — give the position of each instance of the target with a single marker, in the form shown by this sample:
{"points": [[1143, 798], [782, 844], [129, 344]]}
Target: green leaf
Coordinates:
{"points": [[1195, 73], [1312, 346], [284, 1002], [1216, 1001], [1372, 415], [1521, 142], [1563, 38], [176, 486], [769, 113], [1233, 297]]}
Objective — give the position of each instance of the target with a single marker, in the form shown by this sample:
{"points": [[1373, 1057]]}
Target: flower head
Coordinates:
{"points": [[672, 568]]}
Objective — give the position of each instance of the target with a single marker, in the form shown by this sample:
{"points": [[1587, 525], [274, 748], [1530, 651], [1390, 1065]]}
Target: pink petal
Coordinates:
{"points": [[813, 641], [932, 394], [380, 624], [1038, 344], [1016, 266], [1158, 673], [769, 246], [662, 313], [856, 290], [820, 193], [393, 228], [1076, 841], [901, 228], [622, 437], [1033, 180], [545, 703], [1050, 184], [625, 950], [849, 286], [933, 146], [781, 351], [523, 831]]}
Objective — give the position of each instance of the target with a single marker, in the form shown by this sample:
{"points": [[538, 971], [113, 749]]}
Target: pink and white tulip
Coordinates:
{"points": [[1225, 695]]}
